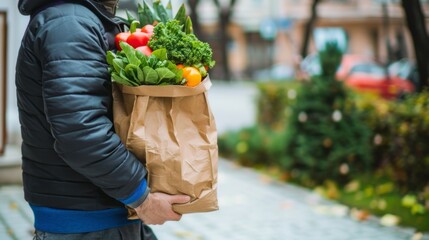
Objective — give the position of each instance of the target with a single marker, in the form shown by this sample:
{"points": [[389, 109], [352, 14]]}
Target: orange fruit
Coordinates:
{"points": [[192, 75]]}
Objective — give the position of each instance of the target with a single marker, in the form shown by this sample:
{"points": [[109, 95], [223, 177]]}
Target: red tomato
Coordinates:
{"points": [[121, 37], [138, 39], [145, 50], [148, 29]]}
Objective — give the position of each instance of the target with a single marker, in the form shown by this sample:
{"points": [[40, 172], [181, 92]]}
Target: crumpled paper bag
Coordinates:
{"points": [[172, 130]]}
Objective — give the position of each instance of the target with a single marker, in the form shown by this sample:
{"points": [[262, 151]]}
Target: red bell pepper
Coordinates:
{"points": [[137, 38], [121, 37]]}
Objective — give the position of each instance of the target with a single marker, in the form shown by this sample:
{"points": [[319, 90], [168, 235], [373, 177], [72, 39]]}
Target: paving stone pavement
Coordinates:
{"points": [[252, 205]]}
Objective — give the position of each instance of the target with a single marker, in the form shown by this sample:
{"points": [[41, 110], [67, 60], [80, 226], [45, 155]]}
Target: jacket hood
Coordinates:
{"points": [[28, 7]]}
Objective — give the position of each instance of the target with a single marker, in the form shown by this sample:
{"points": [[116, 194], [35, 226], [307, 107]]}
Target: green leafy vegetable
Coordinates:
{"points": [[161, 11], [181, 15], [161, 54], [132, 68], [150, 75], [181, 48], [165, 74]]}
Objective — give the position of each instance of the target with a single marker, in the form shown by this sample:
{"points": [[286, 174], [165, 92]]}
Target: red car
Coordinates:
{"points": [[349, 61], [311, 64], [373, 78]]}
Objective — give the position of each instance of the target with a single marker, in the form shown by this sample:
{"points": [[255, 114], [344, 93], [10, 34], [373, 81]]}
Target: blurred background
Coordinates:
{"points": [[322, 110]]}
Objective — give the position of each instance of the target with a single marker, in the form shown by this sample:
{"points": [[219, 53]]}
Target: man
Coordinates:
{"points": [[78, 176]]}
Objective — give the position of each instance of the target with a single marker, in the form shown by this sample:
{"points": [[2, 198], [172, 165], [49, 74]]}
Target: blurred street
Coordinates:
{"points": [[252, 205]]}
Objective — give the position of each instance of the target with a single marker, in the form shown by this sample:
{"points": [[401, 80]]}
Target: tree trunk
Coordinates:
{"points": [[224, 20], [309, 28], [225, 14], [417, 26], [386, 26]]}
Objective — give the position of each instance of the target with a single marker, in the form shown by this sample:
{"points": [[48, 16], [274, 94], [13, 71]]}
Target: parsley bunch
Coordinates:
{"points": [[182, 48]]}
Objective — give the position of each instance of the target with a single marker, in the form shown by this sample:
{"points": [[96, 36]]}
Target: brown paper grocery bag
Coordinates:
{"points": [[172, 130]]}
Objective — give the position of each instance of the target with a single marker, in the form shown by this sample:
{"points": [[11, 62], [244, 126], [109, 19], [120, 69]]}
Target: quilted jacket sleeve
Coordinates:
{"points": [[77, 97]]}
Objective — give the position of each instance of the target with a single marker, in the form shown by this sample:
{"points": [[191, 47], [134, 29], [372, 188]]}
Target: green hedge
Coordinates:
{"points": [[400, 133], [399, 137]]}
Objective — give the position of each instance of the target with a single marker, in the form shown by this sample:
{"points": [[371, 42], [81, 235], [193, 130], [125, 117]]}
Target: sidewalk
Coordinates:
{"points": [[252, 205]]}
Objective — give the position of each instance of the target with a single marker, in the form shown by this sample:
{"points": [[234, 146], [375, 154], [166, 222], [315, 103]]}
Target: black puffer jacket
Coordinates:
{"points": [[72, 159]]}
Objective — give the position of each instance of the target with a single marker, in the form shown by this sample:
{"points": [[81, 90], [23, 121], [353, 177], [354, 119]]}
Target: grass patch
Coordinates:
{"points": [[378, 196]]}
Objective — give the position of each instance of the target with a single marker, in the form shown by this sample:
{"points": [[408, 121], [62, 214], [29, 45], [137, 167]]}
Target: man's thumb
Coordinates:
{"points": [[179, 199]]}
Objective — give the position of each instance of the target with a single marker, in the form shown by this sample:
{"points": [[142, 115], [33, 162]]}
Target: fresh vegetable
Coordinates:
{"points": [[188, 26], [181, 48], [148, 28], [137, 38], [132, 68], [145, 14], [121, 37], [160, 11], [159, 49], [181, 15], [145, 50], [192, 75], [157, 13]]}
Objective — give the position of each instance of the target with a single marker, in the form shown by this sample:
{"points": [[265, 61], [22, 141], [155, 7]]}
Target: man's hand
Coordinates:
{"points": [[157, 208]]}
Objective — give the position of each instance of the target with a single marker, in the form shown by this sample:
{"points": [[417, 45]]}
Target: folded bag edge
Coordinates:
{"points": [[167, 90]]}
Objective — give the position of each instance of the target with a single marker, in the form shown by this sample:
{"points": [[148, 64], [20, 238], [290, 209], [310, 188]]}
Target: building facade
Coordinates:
{"points": [[364, 22]]}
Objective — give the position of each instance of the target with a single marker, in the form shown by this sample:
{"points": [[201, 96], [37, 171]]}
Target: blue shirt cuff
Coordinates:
{"points": [[138, 196]]}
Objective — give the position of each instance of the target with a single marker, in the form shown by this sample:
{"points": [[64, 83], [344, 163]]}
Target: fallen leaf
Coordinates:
{"points": [[389, 220], [417, 236], [339, 211], [382, 204], [409, 200], [418, 209], [385, 188], [352, 186], [13, 205], [360, 215], [322, 210], [265, 179], [188, 235]]}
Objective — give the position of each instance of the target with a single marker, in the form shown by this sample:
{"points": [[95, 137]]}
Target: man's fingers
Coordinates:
{"points": [[179, 199], [176, 217]]}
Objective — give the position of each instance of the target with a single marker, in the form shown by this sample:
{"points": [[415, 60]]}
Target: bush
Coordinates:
{"points": [[396, 134], [326, 138], [272, 103], [400, 133], [325, 135], [252, 146]]}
